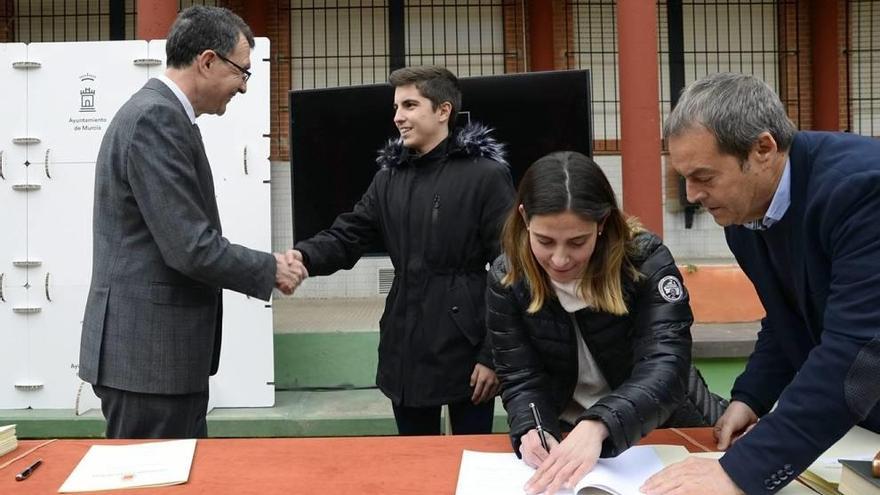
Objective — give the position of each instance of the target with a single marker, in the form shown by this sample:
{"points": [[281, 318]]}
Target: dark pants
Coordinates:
{"points": [[137, 415], [466, 418]]}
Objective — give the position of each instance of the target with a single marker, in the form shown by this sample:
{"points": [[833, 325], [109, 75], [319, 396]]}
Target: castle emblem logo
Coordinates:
{"points": [[87, 93]]}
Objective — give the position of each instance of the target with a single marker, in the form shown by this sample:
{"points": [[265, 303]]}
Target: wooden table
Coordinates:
{"points": [[349, 465]]}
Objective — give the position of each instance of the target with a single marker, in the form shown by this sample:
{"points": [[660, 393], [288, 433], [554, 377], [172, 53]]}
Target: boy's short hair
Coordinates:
{"points": [[434, 82]]}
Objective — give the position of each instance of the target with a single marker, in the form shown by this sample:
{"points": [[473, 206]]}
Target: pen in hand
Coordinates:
{"points": [[538, 427], [28, 470]]}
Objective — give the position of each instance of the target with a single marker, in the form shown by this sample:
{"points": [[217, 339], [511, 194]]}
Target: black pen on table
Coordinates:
{"points": [[28, 471], [538, 426]]}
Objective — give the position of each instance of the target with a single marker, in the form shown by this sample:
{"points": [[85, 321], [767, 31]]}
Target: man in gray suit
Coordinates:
{"points": [[152, 326]]}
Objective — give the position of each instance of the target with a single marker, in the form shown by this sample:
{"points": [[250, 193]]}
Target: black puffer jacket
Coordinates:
{"points": [[645, 355], [439, 216]]}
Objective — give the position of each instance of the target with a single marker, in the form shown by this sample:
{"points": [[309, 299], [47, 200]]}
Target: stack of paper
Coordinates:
{"points": [[8, 441], [114, 467]]}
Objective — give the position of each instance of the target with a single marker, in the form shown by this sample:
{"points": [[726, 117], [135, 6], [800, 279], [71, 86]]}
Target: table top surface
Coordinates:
{"points": [[363, 465]]}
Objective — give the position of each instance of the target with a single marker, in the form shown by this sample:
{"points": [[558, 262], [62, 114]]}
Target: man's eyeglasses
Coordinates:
{"points": [[245, 74]]}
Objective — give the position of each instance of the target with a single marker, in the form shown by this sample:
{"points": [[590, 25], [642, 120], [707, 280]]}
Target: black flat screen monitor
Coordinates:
{"points": [[335, 133]]}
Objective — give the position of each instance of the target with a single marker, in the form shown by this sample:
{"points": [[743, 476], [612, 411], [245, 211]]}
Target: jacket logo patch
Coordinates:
{"points": [[670, 289]]}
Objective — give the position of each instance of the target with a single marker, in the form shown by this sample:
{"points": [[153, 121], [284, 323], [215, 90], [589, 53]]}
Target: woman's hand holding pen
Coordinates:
{"points": [[569, 461], [531, 450]]}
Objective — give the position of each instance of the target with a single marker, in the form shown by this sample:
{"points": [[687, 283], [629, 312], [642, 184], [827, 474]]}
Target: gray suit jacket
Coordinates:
{"points": [[154, 312]]}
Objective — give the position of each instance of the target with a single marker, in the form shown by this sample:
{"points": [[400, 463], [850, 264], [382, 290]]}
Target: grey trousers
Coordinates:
{"points": [[138, 415]]}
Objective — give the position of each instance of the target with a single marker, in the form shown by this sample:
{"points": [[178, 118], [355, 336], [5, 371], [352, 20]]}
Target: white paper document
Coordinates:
{"points": [[484, 473], [114, 467]]}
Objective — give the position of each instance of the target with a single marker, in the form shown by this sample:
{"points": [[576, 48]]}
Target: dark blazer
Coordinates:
{"points": [[439, 216], [817, 274], [645, 355], [154, 311]]}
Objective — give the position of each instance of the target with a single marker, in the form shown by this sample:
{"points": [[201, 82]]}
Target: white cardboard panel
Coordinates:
{"points": [[15, 352], [247, 366], [13, 98], [14, 358], [54, 225], [13, 223], [53, 343], [13, 101], [240, 160], [76, 92], [60, 222], [244, 202], [156, 51]]}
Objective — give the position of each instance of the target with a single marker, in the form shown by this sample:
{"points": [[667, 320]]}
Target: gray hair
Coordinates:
{"points": [[736, 109]]}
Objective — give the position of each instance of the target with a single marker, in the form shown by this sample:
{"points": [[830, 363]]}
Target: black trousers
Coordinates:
{"points": [[138, 415], [465, 417]]}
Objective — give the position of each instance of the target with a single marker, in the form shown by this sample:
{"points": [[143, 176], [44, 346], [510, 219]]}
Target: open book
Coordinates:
{"points": [[493, 473]]}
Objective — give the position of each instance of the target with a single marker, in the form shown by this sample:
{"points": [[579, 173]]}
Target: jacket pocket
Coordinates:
{"points": [[172, 295], [464, 313]]}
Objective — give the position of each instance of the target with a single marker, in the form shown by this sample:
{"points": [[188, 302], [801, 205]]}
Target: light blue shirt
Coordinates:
{"points": [[190, 112], [780, 203]]}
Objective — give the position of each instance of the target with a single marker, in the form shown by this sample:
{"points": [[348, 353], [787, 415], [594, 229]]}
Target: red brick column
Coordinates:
{"points": [[640, 113], [514, 44], [563, 34], [278, 27], [7, 9], [825, 48], [256, 15], [540, 35], [795, 85], [154, 18]]}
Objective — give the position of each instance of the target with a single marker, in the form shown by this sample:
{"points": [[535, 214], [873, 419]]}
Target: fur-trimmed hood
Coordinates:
{"points": [[471, 141]]}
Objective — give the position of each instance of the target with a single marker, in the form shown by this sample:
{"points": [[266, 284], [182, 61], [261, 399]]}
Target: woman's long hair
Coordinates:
{"points": [[569, 181]]}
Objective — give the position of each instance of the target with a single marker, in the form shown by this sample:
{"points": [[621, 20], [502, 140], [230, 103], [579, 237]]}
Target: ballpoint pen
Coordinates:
{"points": [[538, 426], [28, 470]]}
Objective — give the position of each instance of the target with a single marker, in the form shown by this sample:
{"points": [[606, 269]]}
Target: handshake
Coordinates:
{"points": [[290, 271]]}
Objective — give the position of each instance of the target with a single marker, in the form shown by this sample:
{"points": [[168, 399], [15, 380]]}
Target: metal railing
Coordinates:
{"points": [[864, 66], [71, 20], [695, 38]]}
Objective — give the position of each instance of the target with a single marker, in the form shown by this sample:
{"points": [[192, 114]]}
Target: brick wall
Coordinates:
{"points": [[793, 48], [514, 44], [6, 10], [795, 84], [843, 28], [796, 62], [236, 6], [279, 33], [563, 40]]}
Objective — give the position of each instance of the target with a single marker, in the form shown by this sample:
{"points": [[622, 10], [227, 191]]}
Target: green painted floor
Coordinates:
{"points": [[325, 373], [296, 413]]}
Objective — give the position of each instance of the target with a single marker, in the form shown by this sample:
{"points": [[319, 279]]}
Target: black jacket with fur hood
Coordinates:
{"points": [[439, 216]]}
